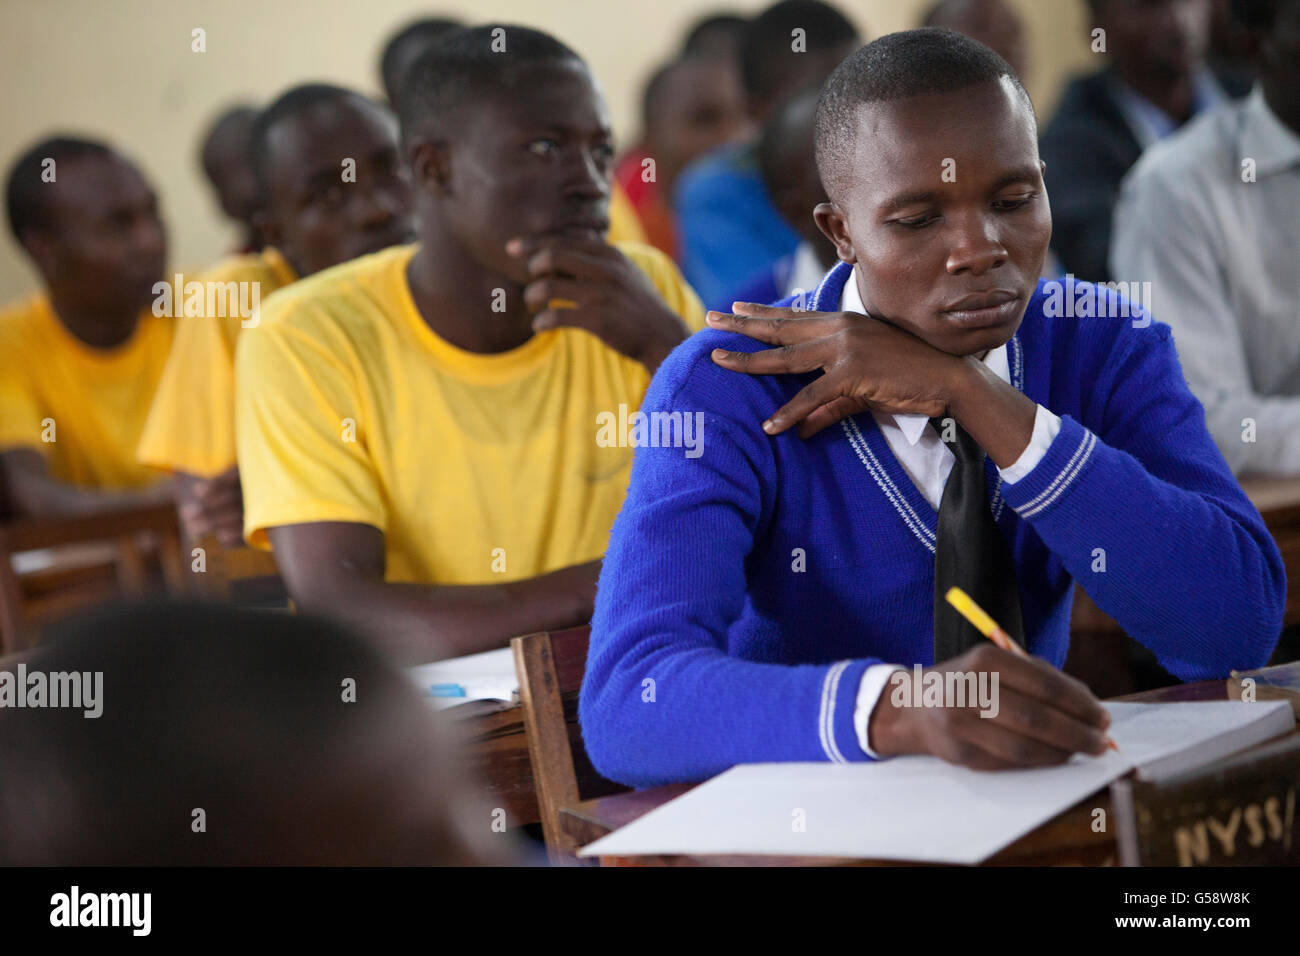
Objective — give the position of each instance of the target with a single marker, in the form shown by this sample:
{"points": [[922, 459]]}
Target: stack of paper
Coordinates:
{"points": [[923, 809]]}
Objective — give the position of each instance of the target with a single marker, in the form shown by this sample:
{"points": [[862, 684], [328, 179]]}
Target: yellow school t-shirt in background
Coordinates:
{"points": [[96, 399], [191, 426], [477, 468]]}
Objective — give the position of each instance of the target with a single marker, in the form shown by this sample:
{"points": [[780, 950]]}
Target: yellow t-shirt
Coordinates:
{"points": [[624, 223], [80, 407], [477, 468], [191, 426]]}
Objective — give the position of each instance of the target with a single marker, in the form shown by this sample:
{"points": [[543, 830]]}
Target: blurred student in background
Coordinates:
{"points": [[319, 211], [786, 163], [80, 361], [1155, 80], [223, 737], [689, 107], [993, 22], [224, 157], [1211, 218], [728, 227]]}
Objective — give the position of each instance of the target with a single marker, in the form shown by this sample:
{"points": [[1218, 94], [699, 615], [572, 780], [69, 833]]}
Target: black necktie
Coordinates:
{"points": [[970, 552]]}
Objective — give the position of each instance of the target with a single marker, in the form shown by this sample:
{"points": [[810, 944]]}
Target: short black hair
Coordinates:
{"points": [[293, 102], [455, 71], [712, 29], [419, 33], [895, 67], [765, 47], [24, 192], [228, 122]]}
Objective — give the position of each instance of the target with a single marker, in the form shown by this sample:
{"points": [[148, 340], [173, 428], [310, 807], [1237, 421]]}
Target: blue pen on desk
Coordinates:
{"points": [[446, 690]]}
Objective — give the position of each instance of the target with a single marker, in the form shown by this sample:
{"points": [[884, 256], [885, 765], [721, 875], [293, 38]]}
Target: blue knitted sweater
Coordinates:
{"points": [[747, 588]]}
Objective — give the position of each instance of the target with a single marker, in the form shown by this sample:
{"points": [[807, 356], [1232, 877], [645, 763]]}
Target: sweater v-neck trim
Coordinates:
{"points": [[873, 451]]}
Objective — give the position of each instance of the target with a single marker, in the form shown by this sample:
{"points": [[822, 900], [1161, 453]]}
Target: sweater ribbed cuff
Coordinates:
{"points": [[1068, 457], [839, 697]]}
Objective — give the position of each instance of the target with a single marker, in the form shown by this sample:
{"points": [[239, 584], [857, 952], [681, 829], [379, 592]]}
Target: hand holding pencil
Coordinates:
{"points": [[972, 612], [1039, 715]]}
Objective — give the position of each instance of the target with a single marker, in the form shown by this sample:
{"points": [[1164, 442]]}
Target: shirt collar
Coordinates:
{"points": [[1148, 122], [1266, 139], [912, 426]]}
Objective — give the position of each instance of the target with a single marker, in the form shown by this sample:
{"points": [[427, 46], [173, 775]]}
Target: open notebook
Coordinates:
{"points": [[923, 809], [486, 676]]}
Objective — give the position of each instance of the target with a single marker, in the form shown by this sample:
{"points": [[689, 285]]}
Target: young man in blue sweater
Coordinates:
{"points": [[758, 598]]}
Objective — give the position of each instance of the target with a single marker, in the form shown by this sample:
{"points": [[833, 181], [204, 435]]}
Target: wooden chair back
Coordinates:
{"points": [[101, 557], [550, 666]]}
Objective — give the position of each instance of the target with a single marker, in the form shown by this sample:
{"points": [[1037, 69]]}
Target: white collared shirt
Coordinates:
{"points": [[927, 461], [1208, 227]]}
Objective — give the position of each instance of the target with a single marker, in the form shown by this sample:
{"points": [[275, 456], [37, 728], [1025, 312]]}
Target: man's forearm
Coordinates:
{"points": [[416, 623], [39, 495]]}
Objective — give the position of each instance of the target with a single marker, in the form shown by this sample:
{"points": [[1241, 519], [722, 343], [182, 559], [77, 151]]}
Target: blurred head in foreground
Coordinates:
{"points": [[231, 737]]}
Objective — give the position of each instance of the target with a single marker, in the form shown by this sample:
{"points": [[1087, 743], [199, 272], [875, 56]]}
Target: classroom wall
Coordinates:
{"points": [[124, 70]]}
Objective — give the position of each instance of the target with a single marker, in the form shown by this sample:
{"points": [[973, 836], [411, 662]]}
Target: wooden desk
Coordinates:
{"points": [[495, 750], [1278, 501], [1065, 840]]}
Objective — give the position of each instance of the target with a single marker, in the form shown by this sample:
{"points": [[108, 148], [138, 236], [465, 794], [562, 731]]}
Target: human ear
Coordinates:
{"points": [[830, 220], [430, 164], [44, 250]]}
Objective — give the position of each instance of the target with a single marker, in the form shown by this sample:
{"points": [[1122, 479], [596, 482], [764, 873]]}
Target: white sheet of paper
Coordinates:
{"points": [[486, 676], [1165, 739], [920, 808]]}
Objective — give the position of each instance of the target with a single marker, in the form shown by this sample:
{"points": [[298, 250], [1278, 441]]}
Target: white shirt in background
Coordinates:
{"points": [[1222, 255]]}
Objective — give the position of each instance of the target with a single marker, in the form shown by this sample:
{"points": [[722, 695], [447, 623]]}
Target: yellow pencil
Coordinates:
{"points": [[972, 612]]}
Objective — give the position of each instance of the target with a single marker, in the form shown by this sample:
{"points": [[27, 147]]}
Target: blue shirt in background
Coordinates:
{"points": [[729, 230]]}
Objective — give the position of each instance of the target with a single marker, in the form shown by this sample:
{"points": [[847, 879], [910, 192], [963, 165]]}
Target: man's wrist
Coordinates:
{"points": [[886, 729], [965, 381], [997, 415]]}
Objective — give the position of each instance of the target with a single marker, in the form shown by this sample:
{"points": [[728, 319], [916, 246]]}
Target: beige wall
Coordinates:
{"points": [[123, 70]]}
